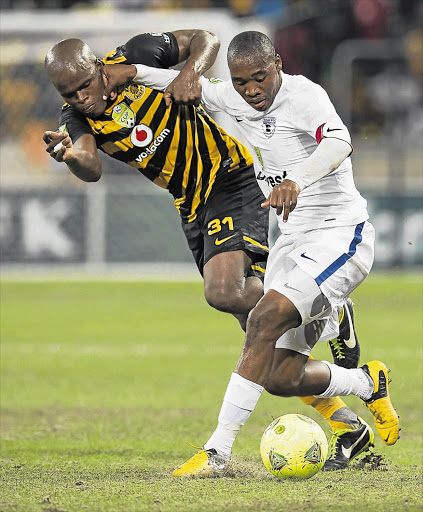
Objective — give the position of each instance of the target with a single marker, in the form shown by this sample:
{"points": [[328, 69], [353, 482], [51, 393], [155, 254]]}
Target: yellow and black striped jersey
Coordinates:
{"points": [[178, 148]]}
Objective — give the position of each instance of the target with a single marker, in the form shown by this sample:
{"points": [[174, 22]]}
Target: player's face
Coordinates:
{"points": [[257, 84], [83, 90]]}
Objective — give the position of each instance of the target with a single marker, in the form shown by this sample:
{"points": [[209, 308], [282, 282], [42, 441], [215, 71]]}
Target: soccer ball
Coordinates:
{"points": [[293, 446]]}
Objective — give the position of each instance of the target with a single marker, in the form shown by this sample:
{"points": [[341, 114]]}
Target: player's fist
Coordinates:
{"points": [[283, 197], [115, 77], [59, 145], [185, 89]]}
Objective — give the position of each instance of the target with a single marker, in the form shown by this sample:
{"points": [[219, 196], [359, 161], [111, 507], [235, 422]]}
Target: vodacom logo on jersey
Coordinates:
{"points": [[142, 136]]}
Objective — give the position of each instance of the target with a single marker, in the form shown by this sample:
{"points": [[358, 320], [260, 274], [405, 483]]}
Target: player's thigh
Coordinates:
{"points": [[338, 258], [317, 270], [285, 276], [314, 309], [229, 267], [233, 219]]}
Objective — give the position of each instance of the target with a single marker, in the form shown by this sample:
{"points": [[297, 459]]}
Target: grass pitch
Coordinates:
{"points": [[102, 384]]}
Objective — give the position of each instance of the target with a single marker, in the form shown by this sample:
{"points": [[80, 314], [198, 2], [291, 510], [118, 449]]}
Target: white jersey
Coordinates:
{"points": [[283, 137]]}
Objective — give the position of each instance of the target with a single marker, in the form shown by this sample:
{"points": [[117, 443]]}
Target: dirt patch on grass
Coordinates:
{"points": [[373, 461]]}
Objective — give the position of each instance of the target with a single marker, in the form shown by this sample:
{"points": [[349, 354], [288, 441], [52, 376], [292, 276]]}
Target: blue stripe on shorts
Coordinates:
{"points": [[333, 267]]}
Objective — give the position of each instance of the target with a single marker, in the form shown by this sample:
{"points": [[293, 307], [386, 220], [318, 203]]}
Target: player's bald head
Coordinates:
{"points": [[251, 48], [70, 56]]}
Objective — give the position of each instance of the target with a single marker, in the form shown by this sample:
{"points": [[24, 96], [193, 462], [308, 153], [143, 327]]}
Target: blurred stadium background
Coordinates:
{"points": [[368, 54]]}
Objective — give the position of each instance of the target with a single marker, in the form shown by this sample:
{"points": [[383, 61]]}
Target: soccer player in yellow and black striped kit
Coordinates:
{"points": [[180, 148]]}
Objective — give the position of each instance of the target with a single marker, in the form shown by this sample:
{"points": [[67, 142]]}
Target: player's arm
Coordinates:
{"points": [[334, 146], [81, 157], [198, 48], [215, 95]]}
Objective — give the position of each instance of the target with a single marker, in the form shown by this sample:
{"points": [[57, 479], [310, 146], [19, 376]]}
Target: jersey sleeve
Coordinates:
{"points": [[156, 50], [312, 108], [214, 95], [74, 123]]}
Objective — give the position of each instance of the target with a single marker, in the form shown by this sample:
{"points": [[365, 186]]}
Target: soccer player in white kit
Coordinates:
{"points": [[324, 252]]}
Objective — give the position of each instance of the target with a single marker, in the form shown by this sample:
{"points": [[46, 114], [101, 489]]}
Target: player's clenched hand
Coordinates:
{"points": [[185, 89], [59, 145], [284, 198], [115, 77]]}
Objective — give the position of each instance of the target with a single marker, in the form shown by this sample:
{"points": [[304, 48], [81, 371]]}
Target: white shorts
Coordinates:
{"points": [[317, 270]]}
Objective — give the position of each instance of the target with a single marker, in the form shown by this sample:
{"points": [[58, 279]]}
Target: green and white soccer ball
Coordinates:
{"points": [[293, 446]]}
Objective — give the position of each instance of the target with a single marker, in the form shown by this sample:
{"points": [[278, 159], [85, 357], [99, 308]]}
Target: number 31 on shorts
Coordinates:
{"points": [[215, 225]]}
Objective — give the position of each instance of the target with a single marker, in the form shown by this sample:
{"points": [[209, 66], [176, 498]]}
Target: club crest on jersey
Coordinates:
{"points": [[269, 125], [123, 115], [134, 92]]}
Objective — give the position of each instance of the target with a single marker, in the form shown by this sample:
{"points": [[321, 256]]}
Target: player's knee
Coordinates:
{"points": [[267, 320], [223, 296]]}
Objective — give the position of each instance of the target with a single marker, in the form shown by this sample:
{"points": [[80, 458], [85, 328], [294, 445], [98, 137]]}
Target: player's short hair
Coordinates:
{"points": [[251, 47], [70, 55]]}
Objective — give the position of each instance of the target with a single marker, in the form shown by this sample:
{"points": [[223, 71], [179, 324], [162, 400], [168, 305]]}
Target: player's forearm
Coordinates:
{"points": [[203, 51], [327, 157], [85, 166], [155, 78]]}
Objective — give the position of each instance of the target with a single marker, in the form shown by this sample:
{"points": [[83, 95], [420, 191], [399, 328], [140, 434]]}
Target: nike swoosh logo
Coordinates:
{"points": [[303, 255], [347, 451], [332, 129], [351, 342], [291, 288], [218, 242]]}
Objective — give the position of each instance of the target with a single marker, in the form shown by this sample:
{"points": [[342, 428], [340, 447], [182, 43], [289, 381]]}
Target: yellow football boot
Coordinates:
{"points": [[203, 463], [379, 404]]}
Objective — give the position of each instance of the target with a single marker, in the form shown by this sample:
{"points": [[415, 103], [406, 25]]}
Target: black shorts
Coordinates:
{"points": [[231, 220]]}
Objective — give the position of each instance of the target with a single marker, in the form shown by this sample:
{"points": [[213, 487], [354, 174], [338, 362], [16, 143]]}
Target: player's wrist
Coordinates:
{"points": [[132, 72], [300, 184]]}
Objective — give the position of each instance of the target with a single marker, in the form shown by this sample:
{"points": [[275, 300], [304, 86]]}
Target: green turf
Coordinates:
{"points": [[102, 384]]}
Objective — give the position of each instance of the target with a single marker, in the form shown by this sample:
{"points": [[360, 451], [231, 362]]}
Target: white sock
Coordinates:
{"points": [[239, 401], [345, 382]]}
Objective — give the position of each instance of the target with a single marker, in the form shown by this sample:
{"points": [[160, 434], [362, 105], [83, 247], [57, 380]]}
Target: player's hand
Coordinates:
{"points": [[284, 198], [115, 77], [185, 89], [59, 145]]}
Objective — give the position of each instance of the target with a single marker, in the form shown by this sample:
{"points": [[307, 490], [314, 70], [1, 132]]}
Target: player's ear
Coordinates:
{"points": [[278, 62], [104, 76]]}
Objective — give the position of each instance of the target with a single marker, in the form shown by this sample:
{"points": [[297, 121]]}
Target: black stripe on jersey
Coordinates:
{"points": [[242, 162], [205, 158], [175, 182], [186, 207], [160, 156], [116, 136], [145, 107], [220, 143]]}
